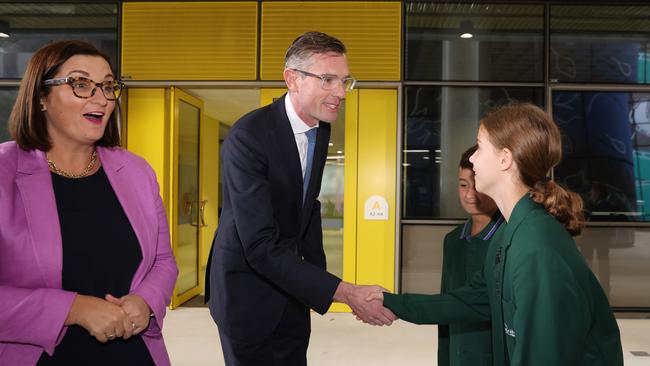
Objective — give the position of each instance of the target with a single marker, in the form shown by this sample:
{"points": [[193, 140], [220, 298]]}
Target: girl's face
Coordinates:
{"points": [[486, 160]]}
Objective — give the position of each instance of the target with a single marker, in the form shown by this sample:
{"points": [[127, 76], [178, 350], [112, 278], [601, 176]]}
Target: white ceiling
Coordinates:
{"points": [[227, 105]]}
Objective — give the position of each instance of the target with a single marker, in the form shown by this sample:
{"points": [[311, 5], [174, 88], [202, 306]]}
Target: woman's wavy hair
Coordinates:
{"points": [[27, 123], [536, 146]]}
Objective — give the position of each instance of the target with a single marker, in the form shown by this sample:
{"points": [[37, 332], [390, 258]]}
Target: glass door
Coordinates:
{"points": [[188, 208]]}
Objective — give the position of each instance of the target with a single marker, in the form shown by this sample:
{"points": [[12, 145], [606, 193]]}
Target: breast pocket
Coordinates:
{"points": [[509, 310]]}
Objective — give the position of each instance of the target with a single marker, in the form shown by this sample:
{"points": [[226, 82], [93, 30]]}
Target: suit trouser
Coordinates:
{"points": [[286, 346]]}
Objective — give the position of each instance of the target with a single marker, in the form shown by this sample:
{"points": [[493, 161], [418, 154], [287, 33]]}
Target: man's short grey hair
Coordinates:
{"points": [[308, 44]]}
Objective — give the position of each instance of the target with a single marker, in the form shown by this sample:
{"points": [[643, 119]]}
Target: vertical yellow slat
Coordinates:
{"points": [[209, 184], [371, 31], [185, 40], [377, 175], [148, 133]]}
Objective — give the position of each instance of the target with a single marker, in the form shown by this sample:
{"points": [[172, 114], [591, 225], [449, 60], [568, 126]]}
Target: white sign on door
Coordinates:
{"points": [[376, 208]]}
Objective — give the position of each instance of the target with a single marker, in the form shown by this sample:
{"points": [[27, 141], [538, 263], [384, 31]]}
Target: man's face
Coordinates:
{"points": [[473, 202], [311, 101]]}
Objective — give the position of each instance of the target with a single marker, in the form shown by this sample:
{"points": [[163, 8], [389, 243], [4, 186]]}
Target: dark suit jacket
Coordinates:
{"points": [[269, 245]]}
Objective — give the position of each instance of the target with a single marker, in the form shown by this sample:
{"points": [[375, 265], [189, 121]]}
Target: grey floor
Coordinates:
{"points": [[338, 339]]}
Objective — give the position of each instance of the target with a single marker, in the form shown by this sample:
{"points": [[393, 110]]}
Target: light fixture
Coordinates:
{"points": [[466, 29], [4, 29]]}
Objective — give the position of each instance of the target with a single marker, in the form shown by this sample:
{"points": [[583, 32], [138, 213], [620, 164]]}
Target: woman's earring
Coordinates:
{"points": [[42, 108]]}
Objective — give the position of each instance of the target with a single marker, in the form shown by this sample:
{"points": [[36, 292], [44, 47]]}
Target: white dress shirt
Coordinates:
{"points": [[299, 128]]}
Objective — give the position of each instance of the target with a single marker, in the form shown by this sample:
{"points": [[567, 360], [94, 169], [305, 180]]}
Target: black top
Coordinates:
{"points": [[100, 256]]}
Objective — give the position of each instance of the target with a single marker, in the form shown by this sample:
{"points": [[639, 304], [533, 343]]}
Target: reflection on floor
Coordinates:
{"points": [[338, 339]]}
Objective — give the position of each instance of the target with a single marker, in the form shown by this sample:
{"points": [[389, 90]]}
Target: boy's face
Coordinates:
{"points": [[473, 202]]}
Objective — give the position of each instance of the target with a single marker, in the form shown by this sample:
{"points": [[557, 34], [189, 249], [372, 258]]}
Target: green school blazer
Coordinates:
{"points": [[545, 304], [465, 344]]}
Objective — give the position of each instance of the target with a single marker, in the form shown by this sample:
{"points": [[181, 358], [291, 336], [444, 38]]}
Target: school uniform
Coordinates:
{"points": [[546, 306], [467, 344]]}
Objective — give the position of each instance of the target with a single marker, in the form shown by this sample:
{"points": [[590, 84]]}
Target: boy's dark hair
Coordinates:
{"points": [[464, 160]]}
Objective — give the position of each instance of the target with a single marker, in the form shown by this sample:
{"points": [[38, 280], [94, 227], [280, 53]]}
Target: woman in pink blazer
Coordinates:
{"points": [[86, 268]]}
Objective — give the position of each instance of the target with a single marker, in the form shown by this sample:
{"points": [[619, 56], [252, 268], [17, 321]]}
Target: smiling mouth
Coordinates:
{"points": [[94, 117]]}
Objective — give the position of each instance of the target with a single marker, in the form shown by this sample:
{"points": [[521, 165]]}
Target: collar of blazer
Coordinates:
{"points": [[525, 206]]}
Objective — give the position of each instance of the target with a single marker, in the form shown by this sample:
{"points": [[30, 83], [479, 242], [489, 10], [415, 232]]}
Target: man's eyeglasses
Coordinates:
{"points": [[329, 82], [85, 88]]}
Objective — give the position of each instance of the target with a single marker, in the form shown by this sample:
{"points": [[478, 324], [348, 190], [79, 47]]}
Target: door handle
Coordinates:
{"points": [[201, 219], [202, 212]]}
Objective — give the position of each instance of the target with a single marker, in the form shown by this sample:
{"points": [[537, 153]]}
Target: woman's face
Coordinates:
{"points": [[487, 169], [74, 121]]}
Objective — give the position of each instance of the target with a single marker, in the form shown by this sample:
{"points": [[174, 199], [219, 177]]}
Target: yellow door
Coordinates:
{"points": [[188, 204], [168, 128], [358, 250]]}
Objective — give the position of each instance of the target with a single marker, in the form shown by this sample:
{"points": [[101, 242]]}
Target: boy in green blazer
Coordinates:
{"points": [[465, 247]]}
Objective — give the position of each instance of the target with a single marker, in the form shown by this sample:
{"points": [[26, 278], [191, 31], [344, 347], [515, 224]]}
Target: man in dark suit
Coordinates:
{"points": [[267, 266]]}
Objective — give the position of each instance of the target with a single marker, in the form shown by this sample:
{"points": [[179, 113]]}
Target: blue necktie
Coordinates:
{"points": [[311, 144]]}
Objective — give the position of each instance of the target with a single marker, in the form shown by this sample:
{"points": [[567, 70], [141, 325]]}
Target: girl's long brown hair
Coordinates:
{"points": [[536, 146]]}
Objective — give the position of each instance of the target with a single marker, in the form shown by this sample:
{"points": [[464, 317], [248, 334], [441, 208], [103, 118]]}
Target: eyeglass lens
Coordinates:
{"points": [[330, 82], [85, 88]]}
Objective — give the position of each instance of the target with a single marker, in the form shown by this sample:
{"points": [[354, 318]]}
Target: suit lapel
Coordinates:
{"points": [[127, 191], [34, 182]]}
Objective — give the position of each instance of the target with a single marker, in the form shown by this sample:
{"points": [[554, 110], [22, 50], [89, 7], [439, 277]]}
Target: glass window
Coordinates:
{"points": [[441, 123], [606, 151], [422, 247], [600, 44], [7, 99], [31, 25], [506, 42], [618, 256]]}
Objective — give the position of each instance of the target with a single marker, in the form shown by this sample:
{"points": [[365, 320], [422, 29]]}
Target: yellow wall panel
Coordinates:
{"points": [[209, 187], [148, 132], [377, 175], [370, 30], [189, 40]]}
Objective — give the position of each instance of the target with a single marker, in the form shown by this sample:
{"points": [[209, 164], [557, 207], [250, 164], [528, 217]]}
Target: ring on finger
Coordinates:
{"points": [[133, 326], [110, 337]]}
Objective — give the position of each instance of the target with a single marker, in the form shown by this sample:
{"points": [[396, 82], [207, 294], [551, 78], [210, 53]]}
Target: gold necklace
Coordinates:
{"points": [[84, 173]]}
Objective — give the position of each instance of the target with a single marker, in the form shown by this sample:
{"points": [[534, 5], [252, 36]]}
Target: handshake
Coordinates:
{"points": [[366, 303]]}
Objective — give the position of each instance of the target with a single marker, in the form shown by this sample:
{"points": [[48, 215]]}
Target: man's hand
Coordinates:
{"points": [[371, 312], [376, 296], [137, 311]]}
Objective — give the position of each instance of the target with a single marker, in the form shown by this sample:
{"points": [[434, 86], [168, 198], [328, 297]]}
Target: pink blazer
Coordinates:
{"points": [[33, 307]]}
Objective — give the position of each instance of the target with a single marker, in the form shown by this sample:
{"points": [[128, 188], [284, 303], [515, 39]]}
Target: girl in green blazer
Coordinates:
{"points": [[545, 305]]}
